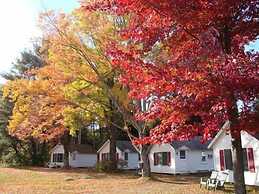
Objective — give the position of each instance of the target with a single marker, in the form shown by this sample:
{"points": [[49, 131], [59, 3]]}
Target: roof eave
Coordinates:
{"points": [[223, 128], [108, 141], [215, 138], [53, 149]]}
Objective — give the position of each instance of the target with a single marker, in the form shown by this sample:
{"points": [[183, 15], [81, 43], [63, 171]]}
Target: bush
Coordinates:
{"points": [[104, 166], [11, 159], [122, 163]]}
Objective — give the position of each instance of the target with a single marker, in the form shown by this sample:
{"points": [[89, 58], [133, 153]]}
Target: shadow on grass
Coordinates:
{"points": [[229, 187], [91, 172], [181, 179], [171, 182]]}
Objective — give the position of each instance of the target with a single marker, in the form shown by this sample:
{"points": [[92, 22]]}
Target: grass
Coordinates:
{"points": [[83, 181]]}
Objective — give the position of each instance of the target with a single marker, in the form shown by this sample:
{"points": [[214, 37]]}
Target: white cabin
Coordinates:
{"points": [[181, 157], [127, 155], [80, 155], [222, 154]]}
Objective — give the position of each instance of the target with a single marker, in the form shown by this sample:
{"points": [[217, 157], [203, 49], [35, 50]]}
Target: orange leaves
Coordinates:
{"points": [[37, 107]]}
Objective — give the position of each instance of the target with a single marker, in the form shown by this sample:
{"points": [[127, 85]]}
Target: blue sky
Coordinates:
{"points": [[254, 45], [18, 21]]}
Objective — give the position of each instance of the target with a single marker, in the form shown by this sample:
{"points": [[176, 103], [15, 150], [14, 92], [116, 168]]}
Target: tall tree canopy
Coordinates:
{"points": [[14, 149], [190, 58], [78, 81], [73, 83]]}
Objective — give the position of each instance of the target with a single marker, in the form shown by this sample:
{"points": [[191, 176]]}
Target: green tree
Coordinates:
{"points": [[29, 150]]}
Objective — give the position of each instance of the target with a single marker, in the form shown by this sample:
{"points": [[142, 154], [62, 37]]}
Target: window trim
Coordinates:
{"points": [[73, 156], [182, 158], [248, 160], [105, 156], [126, 156], [162, 158], [203, 157], [58, 157]]}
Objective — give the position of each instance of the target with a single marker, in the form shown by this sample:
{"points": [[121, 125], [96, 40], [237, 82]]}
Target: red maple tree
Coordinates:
{"points": [[189, 56]]}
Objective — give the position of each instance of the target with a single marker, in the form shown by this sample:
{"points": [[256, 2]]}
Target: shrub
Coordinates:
{"points": [[104, 166]]}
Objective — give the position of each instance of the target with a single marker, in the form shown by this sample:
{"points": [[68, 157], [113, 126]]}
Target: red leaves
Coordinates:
{"points": [[190, 56]]}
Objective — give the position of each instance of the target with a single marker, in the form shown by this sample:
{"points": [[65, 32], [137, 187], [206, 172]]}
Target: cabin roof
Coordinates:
{"points": [[121, 145], [125, 145], [226, 127], [193, 144], [82, 148]]}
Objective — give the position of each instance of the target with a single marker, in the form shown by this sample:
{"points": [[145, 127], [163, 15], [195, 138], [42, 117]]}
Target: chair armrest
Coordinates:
{"points": [[203, 182], [203, 179], [213, 180]]}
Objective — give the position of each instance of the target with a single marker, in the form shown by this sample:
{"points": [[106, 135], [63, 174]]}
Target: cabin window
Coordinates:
{"points": [[226, 162], [203, 157], [162, 158], [73, 156], [182, 154], [105, 156], [126, 156], [58, 157]]}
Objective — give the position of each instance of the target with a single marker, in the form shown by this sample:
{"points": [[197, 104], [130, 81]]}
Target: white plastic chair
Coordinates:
{"points": [[220, 181], [204, 181]]}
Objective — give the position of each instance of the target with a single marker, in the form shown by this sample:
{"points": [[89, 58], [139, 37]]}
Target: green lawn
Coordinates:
{"points": [[75, 181]]}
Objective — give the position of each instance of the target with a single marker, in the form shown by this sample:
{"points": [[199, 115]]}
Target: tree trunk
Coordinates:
{"points": [[238, 165], [145, 164], [113, 116], [237, 151], [144, 152], [65, 140], [113, 155], [66, 156], [34, 158], [43, 154]]}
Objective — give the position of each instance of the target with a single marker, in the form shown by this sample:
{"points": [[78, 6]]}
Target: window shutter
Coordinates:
{"points": [[245, 159], [251, 164], [117, 156], [98, 157], [228, 162], [155, 159], [221, 158], [168, 158]]}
